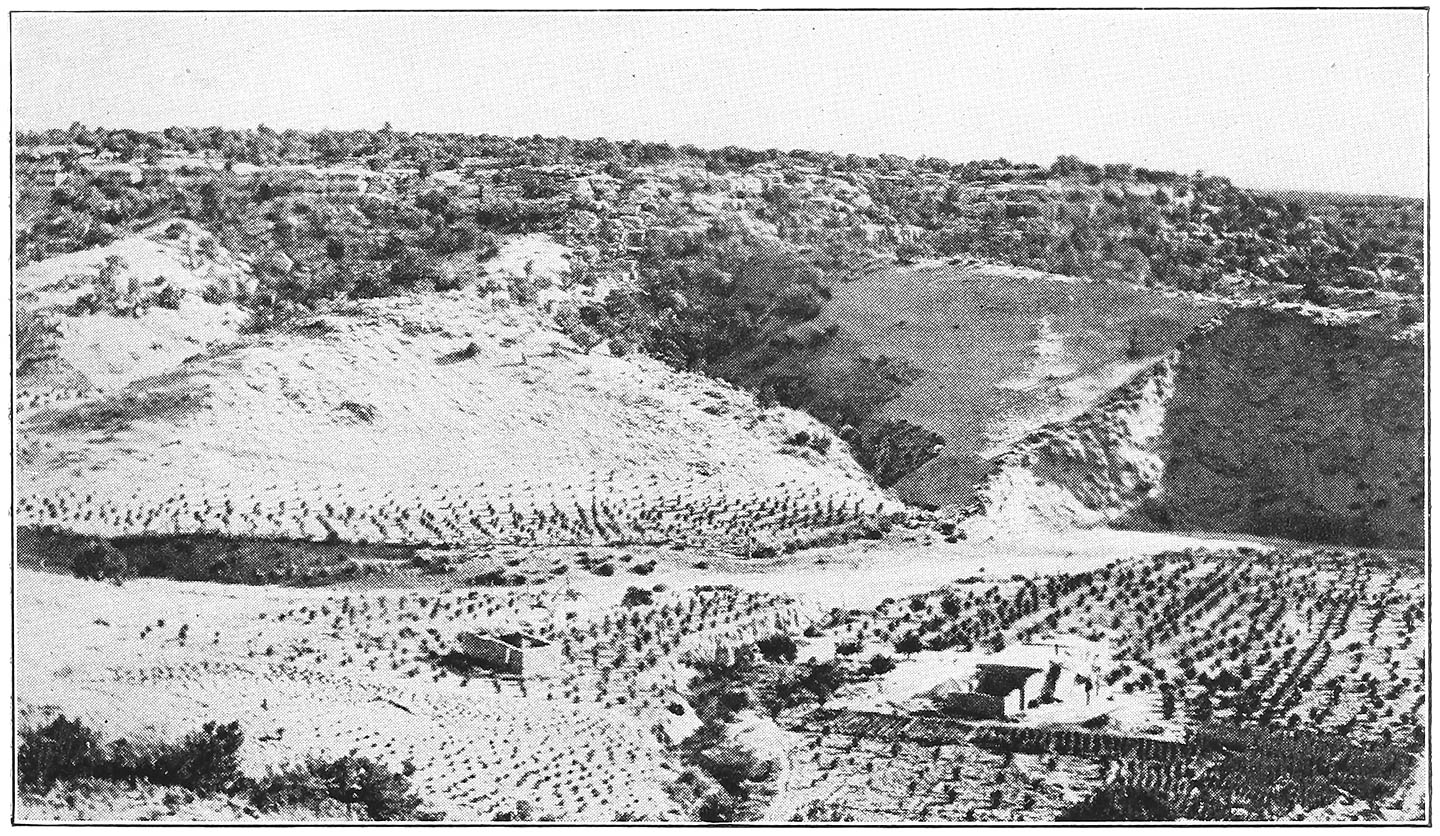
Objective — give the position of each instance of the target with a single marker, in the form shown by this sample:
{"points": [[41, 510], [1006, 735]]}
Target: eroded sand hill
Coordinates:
{"points": [[432, 419]]}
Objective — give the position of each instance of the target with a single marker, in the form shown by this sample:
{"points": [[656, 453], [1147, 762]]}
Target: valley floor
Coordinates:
{"points": [[353, 669]]}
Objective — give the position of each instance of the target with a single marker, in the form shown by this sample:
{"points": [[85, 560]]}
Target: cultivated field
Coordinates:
{"points": [[1313, 639], [1272, 641], [1237, 683]]}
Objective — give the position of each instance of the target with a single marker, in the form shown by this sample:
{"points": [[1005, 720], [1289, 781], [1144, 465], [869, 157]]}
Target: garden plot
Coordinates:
{"points": [[434, 421], [627, 654], [1283, 638]]}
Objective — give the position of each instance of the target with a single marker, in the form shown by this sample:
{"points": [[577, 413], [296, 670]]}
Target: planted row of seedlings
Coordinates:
{"points": [[693, 515]]}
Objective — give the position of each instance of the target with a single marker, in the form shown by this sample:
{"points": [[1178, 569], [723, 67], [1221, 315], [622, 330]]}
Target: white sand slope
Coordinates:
{"points": [[432, 420], [100, 353]]}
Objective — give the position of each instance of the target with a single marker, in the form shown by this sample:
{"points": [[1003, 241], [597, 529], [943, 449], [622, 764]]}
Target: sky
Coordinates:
{"points": [[1329, 100]]}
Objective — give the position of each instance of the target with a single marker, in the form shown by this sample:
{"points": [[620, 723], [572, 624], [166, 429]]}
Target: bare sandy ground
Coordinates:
{"points": [[864, 573]]}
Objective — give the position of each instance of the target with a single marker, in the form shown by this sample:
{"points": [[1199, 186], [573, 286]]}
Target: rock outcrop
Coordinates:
{"points": [[1288, 422]]}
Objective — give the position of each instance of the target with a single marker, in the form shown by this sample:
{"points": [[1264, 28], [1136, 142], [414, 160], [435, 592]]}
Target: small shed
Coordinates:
{"points": [[518, 653], [1008, 684]]}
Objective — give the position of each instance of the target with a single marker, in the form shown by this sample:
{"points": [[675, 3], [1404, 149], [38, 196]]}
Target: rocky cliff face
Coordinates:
{"points": [[1282, 420], [1291, 423]]}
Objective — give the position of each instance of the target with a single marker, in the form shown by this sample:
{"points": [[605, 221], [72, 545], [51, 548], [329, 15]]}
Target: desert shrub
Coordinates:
{"points": [[719, 809], [872, 527], [521, 215], [1120, 802], [909, 252], [822, 679], [487, 243], [723, 689], [521, 812], [206, 760], [844, 397], [702, 298], [635, 596], [776, 648], [450, 279], [721, 685], [36, 335], [732, 779], [894, 449], [823, 811], [497, 577], [880, 664], [523, 289], [1409, 313], [357, 781], [168, 297], [217, 293], [1150, 338], [1151, 514], [819, 441], [60, 750], [909, 644], [98, 560], [415, 270]]}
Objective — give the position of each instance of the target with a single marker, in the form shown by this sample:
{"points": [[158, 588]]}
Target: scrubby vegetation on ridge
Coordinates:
{"points": [[726, 779], [1194, 232], [712, 260]]}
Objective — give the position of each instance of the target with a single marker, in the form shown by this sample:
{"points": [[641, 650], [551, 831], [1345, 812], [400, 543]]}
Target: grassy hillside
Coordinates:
{"points": [[990, 353]]}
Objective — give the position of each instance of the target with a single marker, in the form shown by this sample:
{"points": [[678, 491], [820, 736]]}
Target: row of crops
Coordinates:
{"points": [[520, 515]]}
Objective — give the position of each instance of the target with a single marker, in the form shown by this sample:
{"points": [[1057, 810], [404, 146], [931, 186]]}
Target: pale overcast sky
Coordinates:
{"points": [[1304, 99]]}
